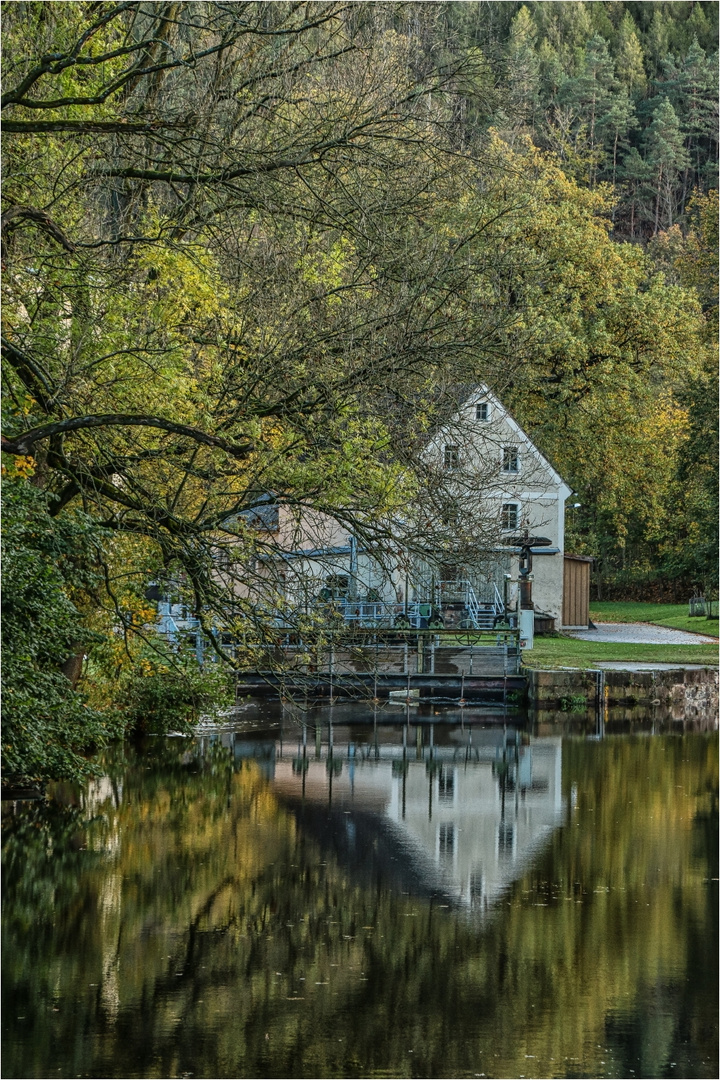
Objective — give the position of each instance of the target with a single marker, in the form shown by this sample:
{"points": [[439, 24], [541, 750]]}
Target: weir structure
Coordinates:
{"points": [[452, 667]]}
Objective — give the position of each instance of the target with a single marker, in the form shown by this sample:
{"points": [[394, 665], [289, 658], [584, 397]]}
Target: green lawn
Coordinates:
{"points": [[672, 615], [557, 652]]}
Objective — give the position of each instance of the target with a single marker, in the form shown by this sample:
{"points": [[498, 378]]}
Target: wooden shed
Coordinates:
{"points": [[576, 591]]}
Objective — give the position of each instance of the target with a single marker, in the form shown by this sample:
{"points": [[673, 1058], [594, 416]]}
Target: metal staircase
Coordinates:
{"points": [[482, 614]]}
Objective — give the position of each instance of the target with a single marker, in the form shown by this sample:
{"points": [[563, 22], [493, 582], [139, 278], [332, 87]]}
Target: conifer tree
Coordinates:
{"points": [[614, 125], [590, 91], [667, 155], [634, 175], [698, 85], [523, 67], [657, 40], [629, 56]]}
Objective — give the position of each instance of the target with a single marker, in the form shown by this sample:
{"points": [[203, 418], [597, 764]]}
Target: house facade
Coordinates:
{"points": [[487, 485]]}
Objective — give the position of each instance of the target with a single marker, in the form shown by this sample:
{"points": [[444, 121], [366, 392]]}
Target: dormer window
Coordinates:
{"points": [[452, 457], [482, 412], [510, 459]]}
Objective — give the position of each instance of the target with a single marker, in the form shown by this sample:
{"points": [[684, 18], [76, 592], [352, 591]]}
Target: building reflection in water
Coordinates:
{"points": [[463, 809]]}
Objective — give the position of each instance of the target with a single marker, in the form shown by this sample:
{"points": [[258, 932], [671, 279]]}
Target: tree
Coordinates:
{"points": [[235, 271], [667, 155], [614, 125], [657, 38], [590, 90], [523, 68], [692, 547], [699, 104], [629, 56], [609, 348], [47, 728], [634, 174]]}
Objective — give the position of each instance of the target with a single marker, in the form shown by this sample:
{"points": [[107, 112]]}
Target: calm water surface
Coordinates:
{"points": [[465, 900]]}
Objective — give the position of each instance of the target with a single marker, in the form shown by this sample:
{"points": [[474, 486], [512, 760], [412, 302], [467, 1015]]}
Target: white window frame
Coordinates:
{"points": [[506, 450], [451, 457], [518, 515], [486, 406]]}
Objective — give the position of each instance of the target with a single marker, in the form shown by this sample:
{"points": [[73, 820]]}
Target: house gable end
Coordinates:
{"points": [[482, 394]]}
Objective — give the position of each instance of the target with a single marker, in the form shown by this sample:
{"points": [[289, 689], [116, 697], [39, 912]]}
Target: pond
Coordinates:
{"points": [[432, 894]]}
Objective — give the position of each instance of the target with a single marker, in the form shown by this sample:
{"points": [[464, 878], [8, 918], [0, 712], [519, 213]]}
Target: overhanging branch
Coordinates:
{"points": [[24, 443]]}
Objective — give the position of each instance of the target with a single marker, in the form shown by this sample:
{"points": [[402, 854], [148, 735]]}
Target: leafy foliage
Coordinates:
{"points": [[47, 728], [168, 692]]}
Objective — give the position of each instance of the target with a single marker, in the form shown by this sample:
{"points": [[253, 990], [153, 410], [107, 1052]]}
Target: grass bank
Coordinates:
{"points": [[674, 616], [558, 652]]}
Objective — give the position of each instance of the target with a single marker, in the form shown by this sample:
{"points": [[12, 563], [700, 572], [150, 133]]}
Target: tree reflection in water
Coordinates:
{"points": [[176, 919]]}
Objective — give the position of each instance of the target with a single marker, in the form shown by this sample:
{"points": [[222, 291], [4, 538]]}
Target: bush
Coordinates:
{"points": [[167, 692]]}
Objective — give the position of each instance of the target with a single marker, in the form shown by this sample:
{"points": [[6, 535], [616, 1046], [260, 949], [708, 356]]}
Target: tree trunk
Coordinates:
{"points": [[657, 202], [615, 144], [72, 668]]}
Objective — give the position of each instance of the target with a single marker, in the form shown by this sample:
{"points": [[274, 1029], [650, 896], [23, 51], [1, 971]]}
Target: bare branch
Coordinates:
{"points": [[30, 213], [23, 444], [88, 127]]}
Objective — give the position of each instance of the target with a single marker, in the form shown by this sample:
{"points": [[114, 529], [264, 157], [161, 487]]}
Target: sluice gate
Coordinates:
{"points": [[444, 668]]}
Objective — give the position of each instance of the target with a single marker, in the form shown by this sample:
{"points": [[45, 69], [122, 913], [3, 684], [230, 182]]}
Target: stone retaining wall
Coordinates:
{"points": [[678, 694]]}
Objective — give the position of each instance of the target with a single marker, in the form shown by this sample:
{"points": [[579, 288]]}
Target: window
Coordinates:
{"points": [[482, 412], [510, 459], [446, 784], [510, 516], [446, 839], [506, 838], [452, 457]]}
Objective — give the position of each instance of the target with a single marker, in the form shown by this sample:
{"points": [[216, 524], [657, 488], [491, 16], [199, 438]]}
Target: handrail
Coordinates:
{"points": [[499, 602]]}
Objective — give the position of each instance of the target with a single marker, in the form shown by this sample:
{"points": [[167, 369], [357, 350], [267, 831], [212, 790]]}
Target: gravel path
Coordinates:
{"points": [[640, 634]]}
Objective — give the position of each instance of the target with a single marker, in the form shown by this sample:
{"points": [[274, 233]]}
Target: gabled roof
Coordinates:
{"points": [[484, 393]]}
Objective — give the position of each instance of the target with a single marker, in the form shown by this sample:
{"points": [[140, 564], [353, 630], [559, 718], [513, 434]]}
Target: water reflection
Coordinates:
{"points": [[461, 815], [266, 903]]}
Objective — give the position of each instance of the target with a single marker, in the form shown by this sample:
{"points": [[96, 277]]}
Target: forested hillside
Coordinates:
{"points": [[622, 93], [256, 247]]}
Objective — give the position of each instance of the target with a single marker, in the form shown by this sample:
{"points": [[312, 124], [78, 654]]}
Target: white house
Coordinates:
{"points": [[486, 484]]}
